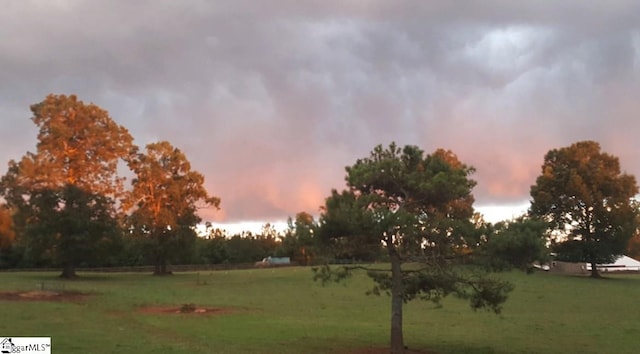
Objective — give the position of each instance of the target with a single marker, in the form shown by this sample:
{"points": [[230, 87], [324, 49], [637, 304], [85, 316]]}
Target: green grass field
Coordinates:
{"points": [[284, 311]]}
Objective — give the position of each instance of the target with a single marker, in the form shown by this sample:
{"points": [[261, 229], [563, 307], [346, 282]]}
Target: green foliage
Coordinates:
{"points": [[588, 202], [249, 248], [212, 249], [71, 227], [519, 243], [326, 274], [300, 241], [410, 200], [426, 284], [487, 293], [134, 251], [346, 231]]}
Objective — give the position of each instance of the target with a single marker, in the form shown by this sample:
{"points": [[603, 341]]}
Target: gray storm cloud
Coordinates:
{"points": [[271, 99]]}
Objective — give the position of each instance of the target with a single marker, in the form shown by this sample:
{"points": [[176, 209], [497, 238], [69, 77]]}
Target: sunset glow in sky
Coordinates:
{"points": [[270, 100]]}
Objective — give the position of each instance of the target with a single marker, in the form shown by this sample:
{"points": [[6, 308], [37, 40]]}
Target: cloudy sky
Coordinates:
{"points": [[270, 100]]}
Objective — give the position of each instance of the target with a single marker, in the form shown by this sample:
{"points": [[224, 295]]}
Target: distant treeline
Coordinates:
{"points": [[131, 251], [216, 250], [150, 268]]}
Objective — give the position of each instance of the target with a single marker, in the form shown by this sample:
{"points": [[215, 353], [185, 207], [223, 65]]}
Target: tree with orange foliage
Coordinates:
{"points": [[77, 155], [588, 201], [164, 201]]}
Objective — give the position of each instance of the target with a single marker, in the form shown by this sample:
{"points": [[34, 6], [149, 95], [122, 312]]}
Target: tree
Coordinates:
{"points": [[164, 201], [519, 243], [247, 248], [419, 208], [212, 249], [79, 146], [299, 240], [588, 202], [70, 226]]}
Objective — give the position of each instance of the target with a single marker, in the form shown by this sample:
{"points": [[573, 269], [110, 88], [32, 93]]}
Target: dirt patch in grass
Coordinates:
{"points": [[186, 310], [63, 296]]}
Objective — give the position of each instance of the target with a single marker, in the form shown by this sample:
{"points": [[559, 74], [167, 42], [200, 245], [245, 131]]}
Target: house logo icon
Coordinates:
{"points": [[6, 345]]}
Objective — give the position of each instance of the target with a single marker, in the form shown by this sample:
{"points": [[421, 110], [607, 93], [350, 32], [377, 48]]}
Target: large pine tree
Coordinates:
{"points": [[419, 208]]}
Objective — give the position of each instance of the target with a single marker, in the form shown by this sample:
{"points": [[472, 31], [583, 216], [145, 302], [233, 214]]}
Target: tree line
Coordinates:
{"points": [[65, 205], [213, 246]]}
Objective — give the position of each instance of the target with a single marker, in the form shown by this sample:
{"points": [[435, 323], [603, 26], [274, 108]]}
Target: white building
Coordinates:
{"points": [[623, 263]]}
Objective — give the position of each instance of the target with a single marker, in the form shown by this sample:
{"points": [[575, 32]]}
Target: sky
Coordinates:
{"points": [[270, 100]]}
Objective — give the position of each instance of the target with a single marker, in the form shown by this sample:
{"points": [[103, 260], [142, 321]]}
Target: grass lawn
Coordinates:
{"points": [[284, 311]]}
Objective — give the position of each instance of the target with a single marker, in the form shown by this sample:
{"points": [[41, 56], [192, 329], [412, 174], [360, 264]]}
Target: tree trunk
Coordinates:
{"points": [[397, 339], [160, 254], [68, 272], [161, 267], [594, 270]]}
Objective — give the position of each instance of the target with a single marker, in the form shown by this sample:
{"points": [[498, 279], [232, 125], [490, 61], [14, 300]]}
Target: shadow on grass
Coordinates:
{"points": [[82, 277]]}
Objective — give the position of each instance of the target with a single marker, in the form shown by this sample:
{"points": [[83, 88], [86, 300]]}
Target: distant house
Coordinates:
{"points": [[622, 264], [273, 261], [567, 267]]}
